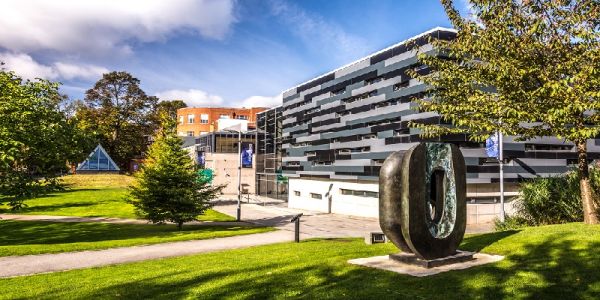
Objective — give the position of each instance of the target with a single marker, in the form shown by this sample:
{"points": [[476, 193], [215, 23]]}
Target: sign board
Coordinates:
{"points": [[247, 152]]}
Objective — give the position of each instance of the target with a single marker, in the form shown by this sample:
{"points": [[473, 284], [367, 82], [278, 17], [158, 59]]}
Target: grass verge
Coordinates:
{"points": [[99, 195], [29, 237], [550, 262]]}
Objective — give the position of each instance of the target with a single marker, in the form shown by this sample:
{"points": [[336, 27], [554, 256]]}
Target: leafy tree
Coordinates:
{"points": [[120, 113], [168, 187], [170, 107], [36, 138], [524, 68]]}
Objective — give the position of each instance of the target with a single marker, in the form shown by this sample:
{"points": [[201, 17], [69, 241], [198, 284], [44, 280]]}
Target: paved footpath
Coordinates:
{"points": [[44, 263], [71, 219], [271, 213], [313, 224]]}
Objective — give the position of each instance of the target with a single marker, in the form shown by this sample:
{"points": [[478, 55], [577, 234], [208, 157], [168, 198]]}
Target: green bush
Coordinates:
{"points": [[550, 200], [510, 223]]}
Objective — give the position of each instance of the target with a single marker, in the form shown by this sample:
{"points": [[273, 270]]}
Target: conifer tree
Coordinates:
{"points": [[167, 188]]}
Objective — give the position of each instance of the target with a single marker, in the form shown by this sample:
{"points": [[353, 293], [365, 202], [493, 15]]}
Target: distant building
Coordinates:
{"points": [[195, 121], [98, 162], [218, 151]]}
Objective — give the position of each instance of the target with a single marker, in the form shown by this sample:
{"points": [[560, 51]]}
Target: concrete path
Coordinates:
{"points": [[34, 264], [71, 219], [313, 224]]}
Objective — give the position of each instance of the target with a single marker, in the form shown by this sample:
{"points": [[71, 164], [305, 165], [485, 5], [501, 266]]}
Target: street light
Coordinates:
{"points": [[239, 201], [495, 148]]}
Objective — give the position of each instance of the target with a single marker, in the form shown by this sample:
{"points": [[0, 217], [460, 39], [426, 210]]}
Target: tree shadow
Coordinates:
{"points": [[14, 233], [554, 267], [477, 242], [49, 208]]}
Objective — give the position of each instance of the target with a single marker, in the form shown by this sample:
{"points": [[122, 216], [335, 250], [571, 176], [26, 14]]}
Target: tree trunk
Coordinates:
{"points": [[589, 208], [179, 225]]}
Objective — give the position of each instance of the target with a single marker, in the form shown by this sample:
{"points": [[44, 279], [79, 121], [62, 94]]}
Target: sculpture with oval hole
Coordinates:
{"points": [[422, 200]]}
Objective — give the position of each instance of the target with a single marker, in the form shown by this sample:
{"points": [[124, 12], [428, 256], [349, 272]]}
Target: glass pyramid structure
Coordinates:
{"points": [[97, 161]]}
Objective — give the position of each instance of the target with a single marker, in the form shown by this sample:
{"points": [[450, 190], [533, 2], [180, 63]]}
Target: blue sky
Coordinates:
{"points": [[207, 52]]}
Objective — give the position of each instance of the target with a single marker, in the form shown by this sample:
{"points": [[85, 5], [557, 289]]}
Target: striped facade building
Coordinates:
{"points": [[338, 129]]}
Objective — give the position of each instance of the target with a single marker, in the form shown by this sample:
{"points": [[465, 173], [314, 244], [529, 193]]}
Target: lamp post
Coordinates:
{"points": [[239, 200], [495, 148], [501, 159]]}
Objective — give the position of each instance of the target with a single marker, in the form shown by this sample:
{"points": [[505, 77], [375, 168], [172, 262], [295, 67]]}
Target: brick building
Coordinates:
{"points": [[194, 121]]}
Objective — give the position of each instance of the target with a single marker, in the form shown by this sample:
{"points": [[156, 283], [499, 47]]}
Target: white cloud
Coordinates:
{"points": [[262, 101], [100, 26], [70, 71], [27, 67], [198, 98], [191, 97], [317, 33]]}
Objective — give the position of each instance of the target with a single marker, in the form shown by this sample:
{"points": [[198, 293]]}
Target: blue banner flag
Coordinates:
{"points": [[491, 146]]}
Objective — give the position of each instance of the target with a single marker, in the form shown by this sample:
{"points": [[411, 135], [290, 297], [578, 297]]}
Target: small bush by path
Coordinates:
{"points": [[548, 262], [33, 237]]}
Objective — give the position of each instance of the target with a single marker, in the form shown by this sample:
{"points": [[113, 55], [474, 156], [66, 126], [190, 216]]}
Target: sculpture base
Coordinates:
{"points": [[411, 259], [385, 263]]}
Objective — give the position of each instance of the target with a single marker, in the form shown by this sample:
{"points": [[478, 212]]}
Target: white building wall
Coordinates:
{"points": [[333, 201]]}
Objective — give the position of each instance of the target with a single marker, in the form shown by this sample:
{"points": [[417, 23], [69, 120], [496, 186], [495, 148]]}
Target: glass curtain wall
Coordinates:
{"points": [[269, 180]]}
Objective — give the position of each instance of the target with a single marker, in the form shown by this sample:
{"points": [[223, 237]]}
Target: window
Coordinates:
{"points": [[190, 133], [190, 119], [401, 85], [399, 132], [548, 147], [204, 119], [180, 119], [316, 196], [297, 193], [242, 117], [224, 117], [338, 92], [377, 162], [368, 194], [373, 80], [369, 136]]}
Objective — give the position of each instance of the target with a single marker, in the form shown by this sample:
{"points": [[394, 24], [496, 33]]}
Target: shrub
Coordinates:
{"points": [[510, 223], [550, 200]]}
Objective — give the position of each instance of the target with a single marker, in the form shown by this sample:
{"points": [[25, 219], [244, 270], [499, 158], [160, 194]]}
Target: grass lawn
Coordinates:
{"points": [[551, 262], [28, 237], [99, 195]]}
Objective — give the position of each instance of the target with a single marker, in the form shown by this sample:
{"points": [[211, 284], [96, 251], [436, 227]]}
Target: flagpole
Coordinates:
{"points": [[239, 203], [501, 159]]}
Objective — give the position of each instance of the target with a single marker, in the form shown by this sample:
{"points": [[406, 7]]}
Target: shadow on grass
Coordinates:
{"points": [[49, 208], [479, 241], [553, 267], [33, 232]]}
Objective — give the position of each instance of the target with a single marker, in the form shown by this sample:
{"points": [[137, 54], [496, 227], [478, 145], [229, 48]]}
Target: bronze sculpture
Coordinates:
{"points": [[422, 202]]}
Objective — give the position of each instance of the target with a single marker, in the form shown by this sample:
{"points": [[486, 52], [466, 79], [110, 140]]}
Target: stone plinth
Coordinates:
{"points": [[411, 259], [385, 263]]}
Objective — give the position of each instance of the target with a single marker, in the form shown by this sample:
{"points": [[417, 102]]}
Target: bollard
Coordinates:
{"points": [[296, 219]]}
